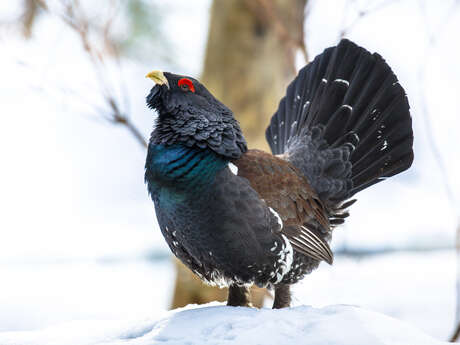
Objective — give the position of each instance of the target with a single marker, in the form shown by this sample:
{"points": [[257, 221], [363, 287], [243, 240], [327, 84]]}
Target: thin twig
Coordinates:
{"points": [[75, 18], [454, 337], [361, 14], [433, 37], [119, 118], [431, 42], [456, 334]]}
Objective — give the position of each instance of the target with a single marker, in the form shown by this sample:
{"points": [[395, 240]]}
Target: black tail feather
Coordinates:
{"points": [[344, 122]]}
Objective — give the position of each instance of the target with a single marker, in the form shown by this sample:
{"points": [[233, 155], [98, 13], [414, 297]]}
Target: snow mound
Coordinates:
{"points": [[217, 324]]}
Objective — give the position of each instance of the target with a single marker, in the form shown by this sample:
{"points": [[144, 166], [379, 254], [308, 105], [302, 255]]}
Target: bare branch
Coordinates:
{"points": [[431, 42], [455, 336], [75, 18], [433, 37], [31, 9], [362, 14]]}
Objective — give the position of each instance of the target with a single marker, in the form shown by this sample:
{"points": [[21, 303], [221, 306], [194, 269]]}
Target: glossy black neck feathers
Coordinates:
{"points": [[194, 119]]}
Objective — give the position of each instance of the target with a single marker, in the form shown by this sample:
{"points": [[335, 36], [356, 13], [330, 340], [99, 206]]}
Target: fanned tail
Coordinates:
{"points": [[345, 123]]}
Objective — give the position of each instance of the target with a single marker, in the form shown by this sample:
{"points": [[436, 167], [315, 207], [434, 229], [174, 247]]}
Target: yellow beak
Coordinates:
{"points": [[158, 78]]}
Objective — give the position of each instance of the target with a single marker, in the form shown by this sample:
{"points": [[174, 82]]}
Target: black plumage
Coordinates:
{"points": [[344, 122], [201, 121], [238, 217]]}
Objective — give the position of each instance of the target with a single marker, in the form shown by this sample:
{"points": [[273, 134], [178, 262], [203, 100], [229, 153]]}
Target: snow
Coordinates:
{"points": [[38, 296], [418, 288], [217, 324], [78, 225]]}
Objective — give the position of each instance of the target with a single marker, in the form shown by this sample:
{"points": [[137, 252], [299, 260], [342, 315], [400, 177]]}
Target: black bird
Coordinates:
{"points": [[238, 217]]}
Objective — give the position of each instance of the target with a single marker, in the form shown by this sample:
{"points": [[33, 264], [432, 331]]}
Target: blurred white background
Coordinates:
{"points": [[78, 233]]}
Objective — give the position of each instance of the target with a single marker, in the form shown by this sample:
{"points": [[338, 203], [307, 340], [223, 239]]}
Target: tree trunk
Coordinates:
{"points": [[249, 62]]}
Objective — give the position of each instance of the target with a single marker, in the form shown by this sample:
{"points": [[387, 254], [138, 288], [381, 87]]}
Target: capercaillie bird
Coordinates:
{"points": [[238, 217]]}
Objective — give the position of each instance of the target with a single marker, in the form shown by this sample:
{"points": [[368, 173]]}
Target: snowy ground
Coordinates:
{"points": [[37, 296], [418, 288], [214, 324]]}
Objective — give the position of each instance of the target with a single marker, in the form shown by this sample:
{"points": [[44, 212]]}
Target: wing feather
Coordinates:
{"points": [[284, 189]]}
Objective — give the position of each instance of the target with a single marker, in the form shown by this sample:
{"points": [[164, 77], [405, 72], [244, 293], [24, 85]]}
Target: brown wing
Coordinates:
{"points": [[285, 190]]}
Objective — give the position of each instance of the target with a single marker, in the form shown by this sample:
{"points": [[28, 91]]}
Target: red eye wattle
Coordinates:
{"points": [[186, 84]]}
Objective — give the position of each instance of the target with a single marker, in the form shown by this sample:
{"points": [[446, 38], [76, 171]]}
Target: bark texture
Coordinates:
{"points": [[249, 60]]}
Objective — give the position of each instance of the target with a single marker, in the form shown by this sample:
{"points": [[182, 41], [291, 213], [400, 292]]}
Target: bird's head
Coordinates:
{"points": [[190, 115]]}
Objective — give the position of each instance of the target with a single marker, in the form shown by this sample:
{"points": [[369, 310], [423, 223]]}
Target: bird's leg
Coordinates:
{"points": [[238, 296], [282, 296]]}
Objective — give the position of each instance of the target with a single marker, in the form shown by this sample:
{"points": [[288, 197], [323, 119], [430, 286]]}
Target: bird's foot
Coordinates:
{"points": [[238, 296], [282, 296]]}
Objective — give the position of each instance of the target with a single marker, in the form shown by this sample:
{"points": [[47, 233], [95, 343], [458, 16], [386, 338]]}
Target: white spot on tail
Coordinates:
{"points": [[233, 168], [324, 80], [348, 106], [384, 146], [343, 81]]}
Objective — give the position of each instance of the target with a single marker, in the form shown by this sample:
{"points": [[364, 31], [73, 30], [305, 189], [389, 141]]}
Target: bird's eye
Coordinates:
{"points": [[186, 84]]}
